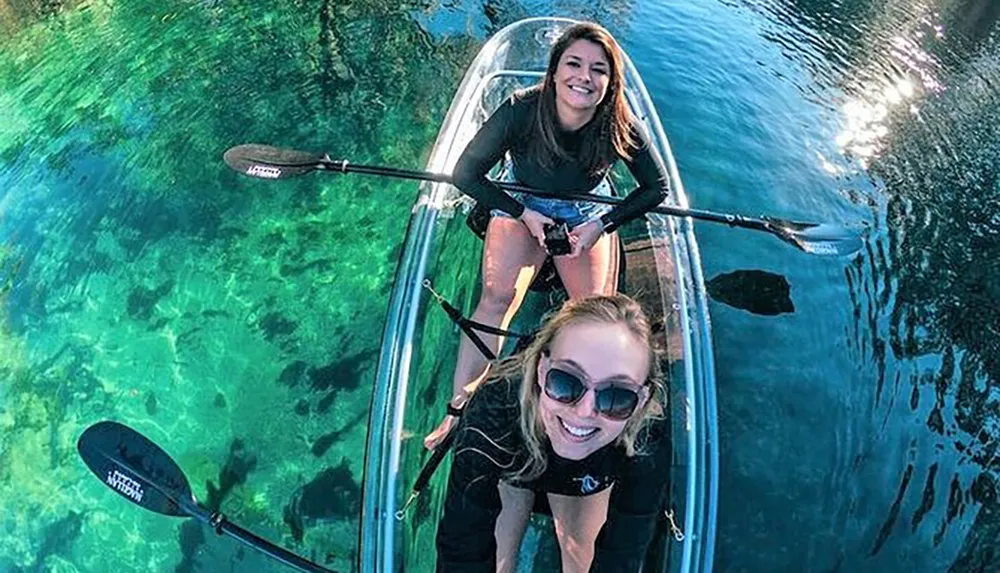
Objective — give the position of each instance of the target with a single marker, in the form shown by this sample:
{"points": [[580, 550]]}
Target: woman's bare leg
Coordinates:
{"points": [[511, 523], [511, 258], [594, 271], [578, 520]]}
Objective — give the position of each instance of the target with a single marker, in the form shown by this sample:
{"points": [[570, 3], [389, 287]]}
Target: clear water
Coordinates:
{"points": [[143, 281]]}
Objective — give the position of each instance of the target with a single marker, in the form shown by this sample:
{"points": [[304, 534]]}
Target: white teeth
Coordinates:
{"points": [[578, 432], [579, 89]]}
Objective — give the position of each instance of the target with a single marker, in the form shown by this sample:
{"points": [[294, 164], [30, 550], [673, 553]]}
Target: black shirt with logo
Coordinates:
{"points": [[510, 130], [489, 446]]}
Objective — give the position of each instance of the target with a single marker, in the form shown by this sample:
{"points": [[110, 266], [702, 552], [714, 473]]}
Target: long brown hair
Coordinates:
{"points": [[615, 309], [609, 132]]}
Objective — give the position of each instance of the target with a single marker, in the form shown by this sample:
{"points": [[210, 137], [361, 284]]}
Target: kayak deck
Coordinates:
{"points": [[420, 343]]}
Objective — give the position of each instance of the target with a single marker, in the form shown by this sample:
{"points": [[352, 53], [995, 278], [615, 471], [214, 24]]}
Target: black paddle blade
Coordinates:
{"points": [[136, 468], [268, 162], [817, 239]]}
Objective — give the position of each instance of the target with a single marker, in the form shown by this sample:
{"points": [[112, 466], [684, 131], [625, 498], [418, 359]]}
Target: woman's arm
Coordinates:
{"points": [[487, 147], [649, 171], [636, 503], [482, 451]]}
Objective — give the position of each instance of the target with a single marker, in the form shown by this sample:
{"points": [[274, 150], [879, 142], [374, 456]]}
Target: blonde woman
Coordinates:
{"points": [[564, 426]]}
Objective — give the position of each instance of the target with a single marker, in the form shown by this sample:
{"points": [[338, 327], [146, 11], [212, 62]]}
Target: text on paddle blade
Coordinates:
{"points": [[125, 485], [264, 171]]}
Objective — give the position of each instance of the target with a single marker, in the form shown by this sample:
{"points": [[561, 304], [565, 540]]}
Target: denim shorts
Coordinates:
{"points": [[573, 213]]}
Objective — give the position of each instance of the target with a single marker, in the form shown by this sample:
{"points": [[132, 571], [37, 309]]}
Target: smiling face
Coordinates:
{"points": [[582, 77], [597, 353]]}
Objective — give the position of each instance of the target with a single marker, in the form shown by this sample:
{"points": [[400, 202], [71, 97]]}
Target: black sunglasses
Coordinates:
{"points": [[613, 401]]}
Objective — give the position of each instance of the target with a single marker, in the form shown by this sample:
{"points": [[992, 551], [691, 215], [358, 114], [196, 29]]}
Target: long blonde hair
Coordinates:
{"points": [[615, 309]]}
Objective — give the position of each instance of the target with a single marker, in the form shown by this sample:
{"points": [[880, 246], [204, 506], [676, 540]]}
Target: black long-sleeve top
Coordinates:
{"points": [[510, 128], [489, 446]]}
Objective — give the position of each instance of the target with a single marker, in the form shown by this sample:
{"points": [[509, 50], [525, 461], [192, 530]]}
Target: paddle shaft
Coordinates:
{"points": [[222, 525], [343, 166], [261, 544], [267, 162]]}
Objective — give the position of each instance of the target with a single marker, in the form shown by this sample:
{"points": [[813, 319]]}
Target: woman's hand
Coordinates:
{"points": [[585, 236], [433, 439], [535, 222]]}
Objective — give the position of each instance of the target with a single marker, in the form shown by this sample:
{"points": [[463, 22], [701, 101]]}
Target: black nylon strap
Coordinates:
{"points": [[469, 327], [468, 330], [490, 329]]}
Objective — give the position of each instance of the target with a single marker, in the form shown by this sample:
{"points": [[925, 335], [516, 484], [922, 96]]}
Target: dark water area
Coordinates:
{"points": [[141, 280], [914, 90]]}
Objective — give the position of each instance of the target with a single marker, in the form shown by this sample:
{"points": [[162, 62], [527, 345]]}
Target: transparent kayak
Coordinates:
{"points": [[661, 268]]}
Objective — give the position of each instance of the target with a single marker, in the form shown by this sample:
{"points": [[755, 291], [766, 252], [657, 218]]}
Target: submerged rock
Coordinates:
{"points": [[274, 324], [759, 292], [331, 495]]}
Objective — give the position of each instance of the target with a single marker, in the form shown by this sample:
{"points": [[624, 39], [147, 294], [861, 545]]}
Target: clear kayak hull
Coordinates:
{"points": [[661, 268]]}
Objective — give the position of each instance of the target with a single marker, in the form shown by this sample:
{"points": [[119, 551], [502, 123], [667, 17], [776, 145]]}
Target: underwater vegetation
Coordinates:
{"points": [[57, 539], [142, 281]]}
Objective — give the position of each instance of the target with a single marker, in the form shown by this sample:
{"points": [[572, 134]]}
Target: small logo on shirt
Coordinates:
{"points": [[588, 483]]}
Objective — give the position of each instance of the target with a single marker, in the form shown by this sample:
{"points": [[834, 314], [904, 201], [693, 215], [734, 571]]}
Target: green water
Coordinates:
{"points": [[857, 433], [147, 283]]}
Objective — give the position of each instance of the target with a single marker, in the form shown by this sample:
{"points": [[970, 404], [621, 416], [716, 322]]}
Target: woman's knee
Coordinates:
{"points": [[497, 299], [501, 293]]}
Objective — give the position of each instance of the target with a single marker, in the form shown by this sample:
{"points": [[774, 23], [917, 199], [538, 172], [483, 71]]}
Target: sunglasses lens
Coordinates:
{"points": [[614, 402], [563, 386], [617, 403]]}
